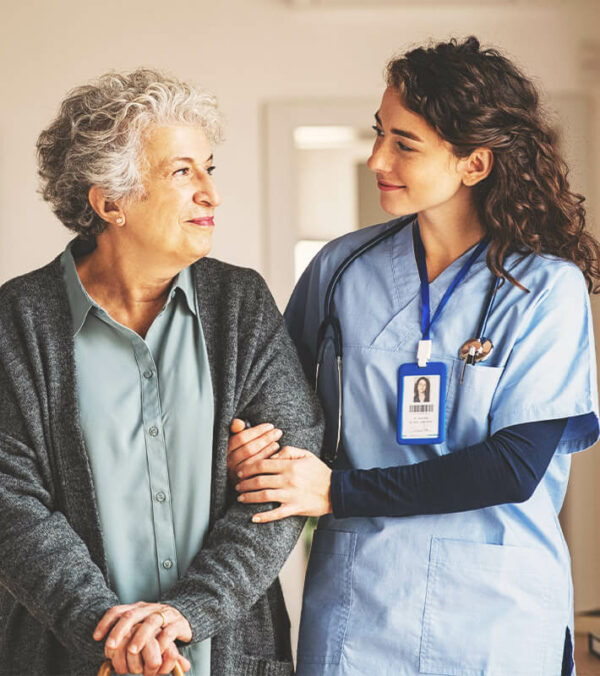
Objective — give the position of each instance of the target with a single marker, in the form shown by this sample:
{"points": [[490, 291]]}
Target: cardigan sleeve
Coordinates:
{"points": [[241, 559], [44, 564]]}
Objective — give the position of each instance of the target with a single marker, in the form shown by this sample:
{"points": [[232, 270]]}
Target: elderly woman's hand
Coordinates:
{"points": [[248, 446], [294, 477], [142, 637], [154, 660]]}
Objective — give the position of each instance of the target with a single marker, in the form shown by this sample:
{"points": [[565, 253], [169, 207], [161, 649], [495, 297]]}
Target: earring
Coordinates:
{"points": [[120, 220]]}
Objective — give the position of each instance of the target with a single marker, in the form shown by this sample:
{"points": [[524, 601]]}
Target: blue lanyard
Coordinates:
{"points": [[426, 320]]}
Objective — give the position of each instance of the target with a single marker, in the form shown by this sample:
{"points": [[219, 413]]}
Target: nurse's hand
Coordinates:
{"points": [[247, 446], [293, 477]]}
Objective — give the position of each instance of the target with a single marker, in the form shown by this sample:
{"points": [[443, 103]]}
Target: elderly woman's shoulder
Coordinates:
{"points": [[234, 275], [236, 291], [43, 285], [33, 306]]}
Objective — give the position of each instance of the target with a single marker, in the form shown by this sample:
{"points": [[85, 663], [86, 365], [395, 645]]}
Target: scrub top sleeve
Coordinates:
{"points": [[302, 316], [503, 469], [296, 308], [551, 370]]}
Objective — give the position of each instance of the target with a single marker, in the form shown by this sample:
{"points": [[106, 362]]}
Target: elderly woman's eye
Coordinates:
{"points": [[184, 171], [210, 170]]}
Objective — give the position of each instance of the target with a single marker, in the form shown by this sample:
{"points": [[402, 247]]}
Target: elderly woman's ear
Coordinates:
{"points": [[108, 210]]}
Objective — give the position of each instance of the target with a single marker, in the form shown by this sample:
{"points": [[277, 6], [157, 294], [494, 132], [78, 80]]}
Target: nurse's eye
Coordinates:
{"points": [[405, 148], [378, 131], [210, 170], [184, 171]]}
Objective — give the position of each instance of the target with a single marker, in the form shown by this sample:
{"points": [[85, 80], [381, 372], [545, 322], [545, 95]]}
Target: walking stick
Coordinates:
{"points": [[105, 669]]}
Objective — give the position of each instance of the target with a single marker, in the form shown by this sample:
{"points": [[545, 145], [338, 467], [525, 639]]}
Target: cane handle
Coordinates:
{"points": [[105, 669]]}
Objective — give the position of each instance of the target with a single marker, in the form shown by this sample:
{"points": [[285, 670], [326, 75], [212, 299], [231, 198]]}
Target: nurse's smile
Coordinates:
{"points": [[382, 185]]}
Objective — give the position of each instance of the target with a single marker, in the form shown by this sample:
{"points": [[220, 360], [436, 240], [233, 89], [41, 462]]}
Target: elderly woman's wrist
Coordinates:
{"points": [[190, 608], [82, 626]]}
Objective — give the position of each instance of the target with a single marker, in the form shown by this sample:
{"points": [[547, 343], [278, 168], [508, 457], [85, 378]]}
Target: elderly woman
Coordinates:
{"points": [[122, 364]]}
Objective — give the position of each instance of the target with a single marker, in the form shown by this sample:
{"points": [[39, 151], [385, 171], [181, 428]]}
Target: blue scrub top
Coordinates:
{"points": [[482, 592]]}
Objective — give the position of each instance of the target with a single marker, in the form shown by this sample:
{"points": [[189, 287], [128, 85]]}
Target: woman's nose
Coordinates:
{"points": [[379, 159], [207, 193]]}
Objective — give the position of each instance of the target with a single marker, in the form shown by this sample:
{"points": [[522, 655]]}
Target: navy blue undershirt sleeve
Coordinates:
{"points": [[505, 468]]}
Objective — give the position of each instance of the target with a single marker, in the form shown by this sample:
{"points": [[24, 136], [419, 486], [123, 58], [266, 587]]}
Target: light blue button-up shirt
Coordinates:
{"points": [[146, 410]]}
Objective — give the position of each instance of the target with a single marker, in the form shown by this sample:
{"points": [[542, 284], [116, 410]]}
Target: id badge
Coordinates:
{"points": [[422, 403]]}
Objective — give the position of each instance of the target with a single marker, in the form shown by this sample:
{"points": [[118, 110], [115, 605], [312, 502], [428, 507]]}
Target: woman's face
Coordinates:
{"points": [[172, 224], [421, 386], [416, 169]]}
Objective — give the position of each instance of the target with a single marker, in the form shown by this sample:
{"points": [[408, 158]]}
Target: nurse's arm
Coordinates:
{"points": [[506, 468]]}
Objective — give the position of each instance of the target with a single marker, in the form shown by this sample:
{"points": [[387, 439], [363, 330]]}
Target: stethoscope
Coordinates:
{"points": [[473, 350]]}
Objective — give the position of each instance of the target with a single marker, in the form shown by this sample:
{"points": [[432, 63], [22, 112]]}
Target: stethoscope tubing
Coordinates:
{"points": [[363, 248], [488, 307], [332, 320]]}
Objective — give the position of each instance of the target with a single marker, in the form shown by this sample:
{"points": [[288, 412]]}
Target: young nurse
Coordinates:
{"points": [[439, 549]]}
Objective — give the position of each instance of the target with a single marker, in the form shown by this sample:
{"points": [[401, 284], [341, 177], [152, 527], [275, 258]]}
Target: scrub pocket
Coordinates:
{"points": [[327, 597], [470, 403], [486, 610]]}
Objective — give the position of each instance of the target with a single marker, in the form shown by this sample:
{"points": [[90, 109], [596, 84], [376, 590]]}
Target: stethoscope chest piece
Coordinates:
{"points": [[475, 350]]}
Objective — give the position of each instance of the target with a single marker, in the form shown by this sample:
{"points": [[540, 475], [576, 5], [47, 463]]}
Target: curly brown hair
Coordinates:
{"points": [[476, 98]]}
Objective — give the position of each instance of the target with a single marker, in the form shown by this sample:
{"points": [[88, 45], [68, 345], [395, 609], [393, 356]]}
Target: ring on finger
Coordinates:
{"points": [[163, 616]]}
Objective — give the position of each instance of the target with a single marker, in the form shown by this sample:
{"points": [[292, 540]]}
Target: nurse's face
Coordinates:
{"points": [[416, 169]]}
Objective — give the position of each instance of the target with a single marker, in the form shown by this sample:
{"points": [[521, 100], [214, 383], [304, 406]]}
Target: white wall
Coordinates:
{"points": [[327, 191], [250, 52]]}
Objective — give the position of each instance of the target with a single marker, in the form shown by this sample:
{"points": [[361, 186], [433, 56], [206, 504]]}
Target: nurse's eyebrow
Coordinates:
{"points": [[400, 132]]}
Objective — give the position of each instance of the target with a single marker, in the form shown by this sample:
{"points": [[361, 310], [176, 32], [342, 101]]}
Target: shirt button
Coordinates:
{"points": [[167, 564], [148, 374], [160, 496], [153, 431]]}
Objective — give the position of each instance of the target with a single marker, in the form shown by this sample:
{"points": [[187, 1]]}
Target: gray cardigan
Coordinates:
{"points": [[53, 578]]}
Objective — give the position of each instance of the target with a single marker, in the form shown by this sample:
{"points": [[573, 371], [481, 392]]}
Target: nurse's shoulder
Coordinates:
{"points": [[335, 251], [555, 300], [545, 274], [305, 309], [331, 256]]}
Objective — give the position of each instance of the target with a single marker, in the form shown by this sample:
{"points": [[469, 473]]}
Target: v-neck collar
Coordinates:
{"points": [[406, 274]]}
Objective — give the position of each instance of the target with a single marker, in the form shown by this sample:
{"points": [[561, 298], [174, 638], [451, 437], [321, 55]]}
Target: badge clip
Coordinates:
{"points": [[423, 353]]}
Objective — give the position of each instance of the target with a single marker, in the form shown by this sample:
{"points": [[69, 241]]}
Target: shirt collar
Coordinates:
{"points": [[185, 284], [81, 302], [79, 299]]}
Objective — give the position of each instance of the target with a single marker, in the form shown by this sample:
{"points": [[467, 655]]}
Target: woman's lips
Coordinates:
{"points": [[203, 222], [388, 186]]}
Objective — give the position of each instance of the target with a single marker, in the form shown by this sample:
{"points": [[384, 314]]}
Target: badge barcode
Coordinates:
{"points": [[420, 408]]}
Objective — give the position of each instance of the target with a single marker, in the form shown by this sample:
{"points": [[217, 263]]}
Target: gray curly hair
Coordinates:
{"points": [[97, 139]]}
